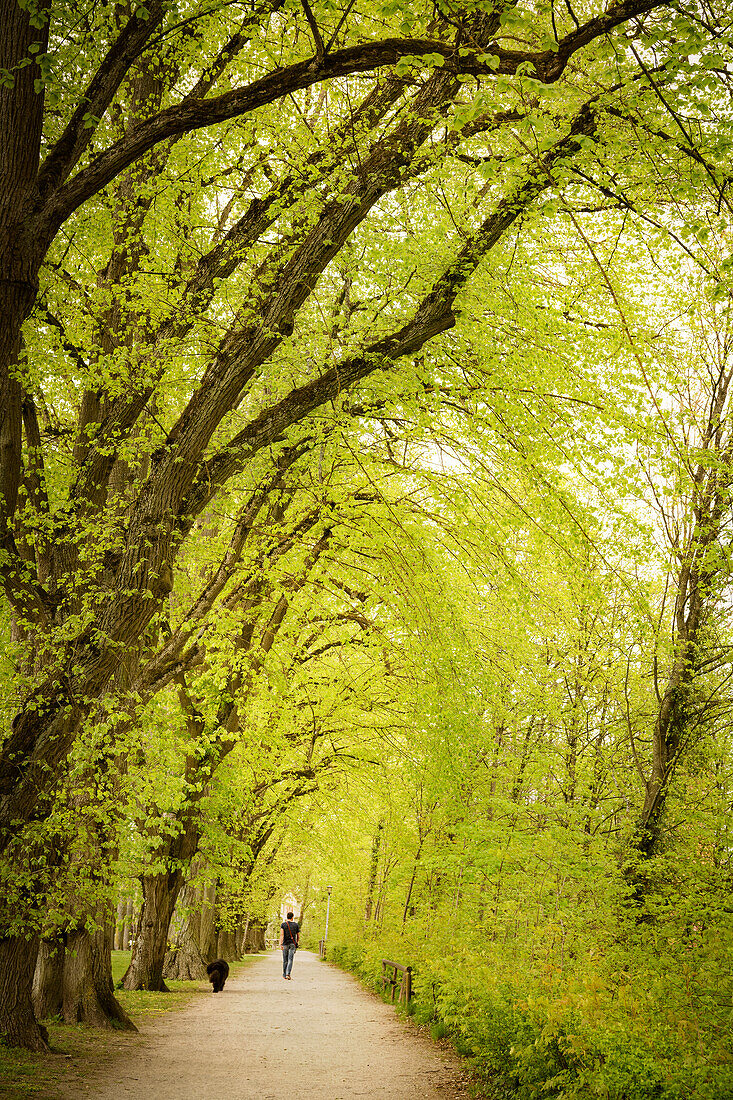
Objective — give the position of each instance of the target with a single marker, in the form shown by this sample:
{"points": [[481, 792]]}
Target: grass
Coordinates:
{"points": [[120, 963], [79, 1050], [141, 1004]]}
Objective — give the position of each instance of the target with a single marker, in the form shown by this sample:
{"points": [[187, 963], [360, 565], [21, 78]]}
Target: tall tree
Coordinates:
{"points": [[88, 553]]}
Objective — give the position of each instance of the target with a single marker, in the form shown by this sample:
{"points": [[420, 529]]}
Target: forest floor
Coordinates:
{"points": [[321, 1035]]}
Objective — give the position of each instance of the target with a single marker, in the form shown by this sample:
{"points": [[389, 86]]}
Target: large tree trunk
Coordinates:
{"points": [[207, 934], [160, 893], [87, 986], [255, 937], [185, 961], [18, 1024], [240, 938], [227, 945], [21, 123], [48, 980]]}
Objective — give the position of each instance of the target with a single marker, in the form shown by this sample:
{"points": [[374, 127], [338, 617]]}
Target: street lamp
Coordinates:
{"points": [[328, 908]]}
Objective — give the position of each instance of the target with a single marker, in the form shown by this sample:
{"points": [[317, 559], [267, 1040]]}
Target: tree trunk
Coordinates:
{"points": [[21, 125], [229, 946], [160, 893], [185, 962], [255, 937], [128, 925], [667, 737], [243, 938], [120, 925], [87, 987], [410, 888], [18, 1024], [194, 917], [48, 980], [373, 868], [207, 936], [701, 574]]}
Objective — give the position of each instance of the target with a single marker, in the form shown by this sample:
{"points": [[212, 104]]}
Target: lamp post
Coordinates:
{"points": [[328, 909]]}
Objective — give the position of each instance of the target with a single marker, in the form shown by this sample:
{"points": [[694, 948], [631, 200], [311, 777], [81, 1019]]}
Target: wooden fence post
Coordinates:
{"points": [[405, 981]]}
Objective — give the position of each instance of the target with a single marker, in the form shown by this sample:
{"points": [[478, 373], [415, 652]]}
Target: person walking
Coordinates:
{"points": [[289, 938]]}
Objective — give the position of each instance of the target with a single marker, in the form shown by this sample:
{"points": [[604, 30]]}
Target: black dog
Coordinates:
{"points": [[218, 973]]}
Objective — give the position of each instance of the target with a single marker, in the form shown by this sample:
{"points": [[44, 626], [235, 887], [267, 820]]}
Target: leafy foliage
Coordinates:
{"points": [[366, 505]]}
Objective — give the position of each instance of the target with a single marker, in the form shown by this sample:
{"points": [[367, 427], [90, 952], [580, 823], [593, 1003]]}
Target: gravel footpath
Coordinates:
{"points": [[320, 1035]]}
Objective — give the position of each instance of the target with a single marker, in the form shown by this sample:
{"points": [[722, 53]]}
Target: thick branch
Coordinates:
{"points": [[433, 316], [219, 263], [99, 93], [197, 114]]}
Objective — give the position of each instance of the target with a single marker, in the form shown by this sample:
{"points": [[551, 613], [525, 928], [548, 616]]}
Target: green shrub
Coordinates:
{"points": [[586, 1037]]}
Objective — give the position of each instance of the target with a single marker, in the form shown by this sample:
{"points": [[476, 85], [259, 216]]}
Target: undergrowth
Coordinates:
{"points": [[629, 1028]]}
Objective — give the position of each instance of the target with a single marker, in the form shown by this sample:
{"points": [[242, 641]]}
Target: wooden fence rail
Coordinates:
{"points": [[405, 982]]}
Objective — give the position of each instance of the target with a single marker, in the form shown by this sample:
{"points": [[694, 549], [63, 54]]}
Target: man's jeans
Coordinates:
{"points": [[288, 956]]}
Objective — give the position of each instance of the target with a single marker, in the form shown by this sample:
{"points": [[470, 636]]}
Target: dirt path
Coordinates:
{"points": [[318, 1036]]}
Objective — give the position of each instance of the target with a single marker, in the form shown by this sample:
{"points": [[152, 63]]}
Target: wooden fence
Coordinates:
{"points": [[405, 982]]}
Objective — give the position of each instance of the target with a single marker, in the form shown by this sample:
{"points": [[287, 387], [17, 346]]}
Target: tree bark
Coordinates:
{"points": [[160, 893], [18, 1024], [48, 980], [207, 937], [220, 942], [373, 868], [185, 961], [120, 925], [240, 938], [87, 981], [21, 124], [128, 925], [255, 937]]}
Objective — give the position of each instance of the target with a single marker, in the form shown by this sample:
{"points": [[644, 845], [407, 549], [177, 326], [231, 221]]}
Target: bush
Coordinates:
{"points": [[579, 1039]]}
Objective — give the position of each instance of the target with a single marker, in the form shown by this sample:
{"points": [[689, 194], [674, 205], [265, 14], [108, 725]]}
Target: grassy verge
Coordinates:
{"points": [[79, 1051]]}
